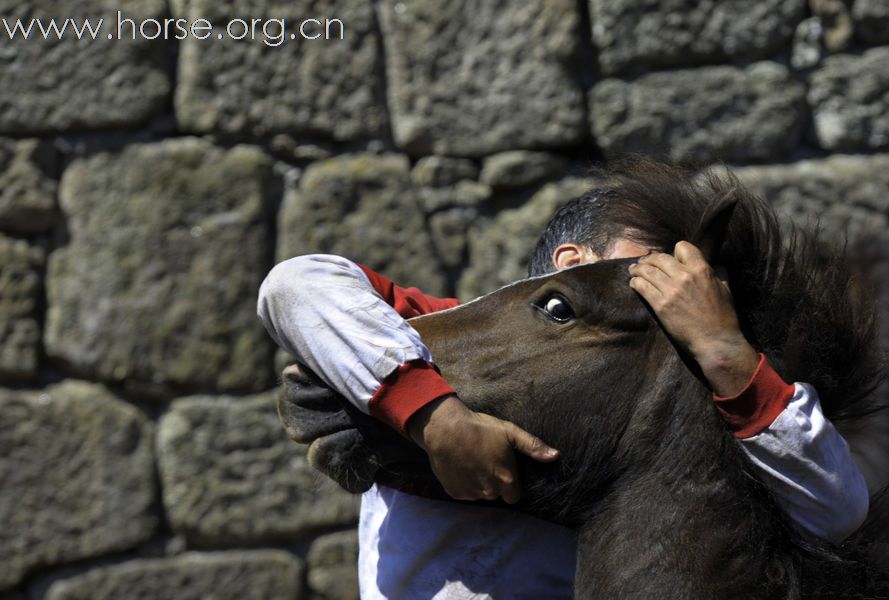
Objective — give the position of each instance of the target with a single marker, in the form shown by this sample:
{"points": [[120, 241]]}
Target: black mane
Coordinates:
{"points": [[800, 301]]}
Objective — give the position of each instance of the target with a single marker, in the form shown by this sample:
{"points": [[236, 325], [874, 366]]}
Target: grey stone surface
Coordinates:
{"points": [[519, 168], [365, 208], [450, 230], [439, 171], [230, 475], [326, 87], [850, 101], [246, 575], [849, 195], [466, 194], [500, 249], [808, 44], [20, 289], [169, 244], [470, 79], [705, 114], [27, 186], [332, 562], [871, 20], [78, 477], [836, 22], [53, 85], [680, 32]]}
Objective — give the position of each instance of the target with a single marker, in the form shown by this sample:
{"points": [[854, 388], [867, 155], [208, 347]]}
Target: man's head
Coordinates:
{"points": [[640, 205], [582, 231]]}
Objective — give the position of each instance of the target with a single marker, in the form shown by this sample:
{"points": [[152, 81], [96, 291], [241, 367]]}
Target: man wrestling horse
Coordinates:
{"points": [[347, 324]]}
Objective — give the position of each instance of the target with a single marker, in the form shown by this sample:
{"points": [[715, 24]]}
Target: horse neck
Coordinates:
{"points": [[683, 520]]}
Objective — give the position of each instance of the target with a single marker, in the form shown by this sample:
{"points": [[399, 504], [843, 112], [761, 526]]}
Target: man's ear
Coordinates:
{"points": [[713, 228], [570, 255]]}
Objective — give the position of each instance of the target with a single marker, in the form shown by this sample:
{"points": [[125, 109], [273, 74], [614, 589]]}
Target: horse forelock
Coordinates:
{"points": [[800, 301]]}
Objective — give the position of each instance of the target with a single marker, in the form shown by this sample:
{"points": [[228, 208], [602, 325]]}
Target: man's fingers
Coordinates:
{"points": [[688, 254], [666, 263], [530, 445], [646, 290], [653, 275]]}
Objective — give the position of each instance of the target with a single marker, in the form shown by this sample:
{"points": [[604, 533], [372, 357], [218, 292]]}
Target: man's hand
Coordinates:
{"points": [[473, 454], [695, 307]]}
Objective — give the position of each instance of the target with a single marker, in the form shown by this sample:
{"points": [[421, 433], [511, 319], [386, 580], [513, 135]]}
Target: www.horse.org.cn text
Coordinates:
{"points": [[272, 32]]}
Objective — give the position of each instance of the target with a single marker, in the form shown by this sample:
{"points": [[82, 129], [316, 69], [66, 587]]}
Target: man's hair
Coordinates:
{"points": [[637, 198], [583, 221]]}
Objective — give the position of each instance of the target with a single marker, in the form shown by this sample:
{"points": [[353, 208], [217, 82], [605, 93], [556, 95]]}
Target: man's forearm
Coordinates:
{"points": [[325, 311], [728, 363]]}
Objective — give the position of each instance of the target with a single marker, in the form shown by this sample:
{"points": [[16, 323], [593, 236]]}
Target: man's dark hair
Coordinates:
{"points": [[637, 198], [583, 220]]}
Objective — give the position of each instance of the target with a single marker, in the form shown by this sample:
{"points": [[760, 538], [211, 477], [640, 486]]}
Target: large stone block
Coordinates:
{"points": [[705, 114], [871, 20], [519, 168], [464, 194], [231, 476], [78, 477], [333, 566], [169, 244], [245, 575], [362, 207], [52, 85], [20, 288], [469, 78], [847, 195], [27, 186], [850, 100], [450, 231], [326, 87], [439, 171], [500, 249], [674, 33]]}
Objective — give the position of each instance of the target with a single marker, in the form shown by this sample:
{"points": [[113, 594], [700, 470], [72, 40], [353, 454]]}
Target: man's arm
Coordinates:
{"points": [[803, 460], [347, 324], [326, 313]]}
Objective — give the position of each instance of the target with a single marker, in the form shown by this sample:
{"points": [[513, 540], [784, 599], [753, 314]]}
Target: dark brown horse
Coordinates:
{"points": [[665, 502]]}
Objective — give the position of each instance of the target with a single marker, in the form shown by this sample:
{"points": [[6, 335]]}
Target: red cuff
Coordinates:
{"points": [[757, 406], [405, 391]]}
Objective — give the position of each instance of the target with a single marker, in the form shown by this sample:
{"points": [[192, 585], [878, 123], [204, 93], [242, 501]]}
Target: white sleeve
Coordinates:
{"points": [[323, 310], [806, 463]]}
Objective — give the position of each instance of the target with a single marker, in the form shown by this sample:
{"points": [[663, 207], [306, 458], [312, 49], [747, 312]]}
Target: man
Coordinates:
{"points": [[347, 324]]}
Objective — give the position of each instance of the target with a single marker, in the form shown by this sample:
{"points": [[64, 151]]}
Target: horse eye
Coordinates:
{"points": [[559, 309]]}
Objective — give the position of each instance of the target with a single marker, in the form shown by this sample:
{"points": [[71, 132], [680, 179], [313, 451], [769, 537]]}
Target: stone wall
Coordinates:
{"points": [[146, 188]]}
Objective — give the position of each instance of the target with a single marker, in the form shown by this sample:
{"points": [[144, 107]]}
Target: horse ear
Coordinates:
{"points": [[713, 227]]}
